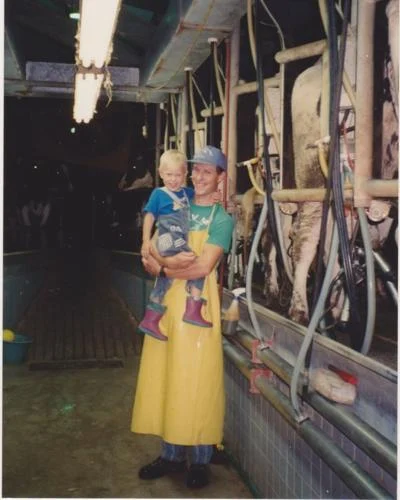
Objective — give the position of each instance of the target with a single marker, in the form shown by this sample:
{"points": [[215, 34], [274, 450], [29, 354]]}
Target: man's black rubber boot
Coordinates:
{"points": [[197, 476], [159, 468]]}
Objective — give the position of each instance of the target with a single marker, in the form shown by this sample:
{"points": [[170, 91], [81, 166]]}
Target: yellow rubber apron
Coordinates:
{"points": [[180, 389]]}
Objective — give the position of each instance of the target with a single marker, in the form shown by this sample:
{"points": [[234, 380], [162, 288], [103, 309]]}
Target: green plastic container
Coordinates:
{"points": [[16, 352]]}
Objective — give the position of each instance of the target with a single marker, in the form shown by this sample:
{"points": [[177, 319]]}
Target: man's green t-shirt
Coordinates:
{"points": [[221, 227]]}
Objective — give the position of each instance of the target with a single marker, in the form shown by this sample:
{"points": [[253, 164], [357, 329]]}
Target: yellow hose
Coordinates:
{"points": [[249, 164]]}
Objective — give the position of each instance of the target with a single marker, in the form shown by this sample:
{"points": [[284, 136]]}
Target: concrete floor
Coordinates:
{"points": [[66, 435]]}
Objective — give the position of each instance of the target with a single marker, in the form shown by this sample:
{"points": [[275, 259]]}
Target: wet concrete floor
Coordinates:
{"points": [[66, 431], [66, 435]]}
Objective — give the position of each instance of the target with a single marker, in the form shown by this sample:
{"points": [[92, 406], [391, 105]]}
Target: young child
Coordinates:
{"points": [[169, 208]]}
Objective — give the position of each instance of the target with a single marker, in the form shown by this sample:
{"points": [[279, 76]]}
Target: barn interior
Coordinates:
{"points": [[70, 291]]}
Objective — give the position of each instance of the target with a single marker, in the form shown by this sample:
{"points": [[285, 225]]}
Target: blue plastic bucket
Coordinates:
{"points": [[16, 352]]}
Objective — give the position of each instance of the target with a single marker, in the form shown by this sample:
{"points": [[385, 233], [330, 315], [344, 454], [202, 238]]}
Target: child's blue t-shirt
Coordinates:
{"points": [[160, 203]]}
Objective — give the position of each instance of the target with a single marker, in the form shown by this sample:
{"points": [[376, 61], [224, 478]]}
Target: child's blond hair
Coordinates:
{"points": [[174, 157]]}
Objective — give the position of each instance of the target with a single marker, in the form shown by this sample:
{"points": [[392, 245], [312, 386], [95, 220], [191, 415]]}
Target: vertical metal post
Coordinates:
{"points": [[189, 114], [158, 145], [364, 98], [231, 109], [210, 129], [181, 128]]}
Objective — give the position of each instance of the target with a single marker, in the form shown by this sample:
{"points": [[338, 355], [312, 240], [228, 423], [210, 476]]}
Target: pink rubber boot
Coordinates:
{"points": [[149, 323], [193, 313]]}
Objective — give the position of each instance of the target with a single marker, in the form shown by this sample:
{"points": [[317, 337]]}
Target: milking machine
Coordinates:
{"points": [[357, 263]]}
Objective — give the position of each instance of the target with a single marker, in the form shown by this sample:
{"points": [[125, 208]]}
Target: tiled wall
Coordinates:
{"points": [[277, 461]]}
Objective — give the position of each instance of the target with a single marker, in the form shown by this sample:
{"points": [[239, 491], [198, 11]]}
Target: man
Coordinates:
{"points": [[180, 391]]}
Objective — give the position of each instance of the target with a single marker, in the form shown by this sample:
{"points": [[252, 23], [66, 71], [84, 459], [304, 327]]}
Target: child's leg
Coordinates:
{"points": [[195, 293], [194, 304], [195, 288], [160, 288], [155, 310]]}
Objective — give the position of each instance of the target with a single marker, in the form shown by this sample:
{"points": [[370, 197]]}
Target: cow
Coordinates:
{"points": [[306, 132], [305, 231]]}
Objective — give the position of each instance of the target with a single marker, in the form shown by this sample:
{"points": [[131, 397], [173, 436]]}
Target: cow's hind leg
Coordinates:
{"points": [[305, 236]]}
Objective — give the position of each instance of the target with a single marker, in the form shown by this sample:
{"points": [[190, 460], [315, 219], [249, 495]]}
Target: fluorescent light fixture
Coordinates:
{"points": [[98, 19], [87, 91], [97, 25], [74, 15]]}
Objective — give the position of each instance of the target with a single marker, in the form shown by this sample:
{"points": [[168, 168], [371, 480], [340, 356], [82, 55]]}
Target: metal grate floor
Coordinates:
{"points": [[77, 320]]}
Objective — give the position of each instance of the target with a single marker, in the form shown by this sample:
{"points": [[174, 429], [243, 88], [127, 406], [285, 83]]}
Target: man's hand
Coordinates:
{"points": [[180, 260]]}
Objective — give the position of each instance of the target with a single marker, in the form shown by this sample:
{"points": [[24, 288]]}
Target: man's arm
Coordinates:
{"points": [[201, 266], [178, 261]]}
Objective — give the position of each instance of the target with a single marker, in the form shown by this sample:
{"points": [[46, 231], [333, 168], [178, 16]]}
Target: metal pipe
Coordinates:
{"points": [[348, 471], [188, 75], [387, 270], [174, 119], [325, 89], [166, 107], [210, 128], [282, 74], [250, 87], [243, 364], [364, 102], [181, 128], [365, 437], [158, 145], [218, 75], [379, 187], [375, 187], [310, 194], [196, 125], [301, 52], [225, 119], [217, 111], [232, 113]]}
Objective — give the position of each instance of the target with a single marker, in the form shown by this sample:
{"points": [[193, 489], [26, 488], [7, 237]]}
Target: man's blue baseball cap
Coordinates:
{"points": [[209, 155]]}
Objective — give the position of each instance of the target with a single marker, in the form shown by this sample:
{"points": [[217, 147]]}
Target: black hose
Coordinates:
{"points": [[324, 224], [268, 185], [336, 71]]}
